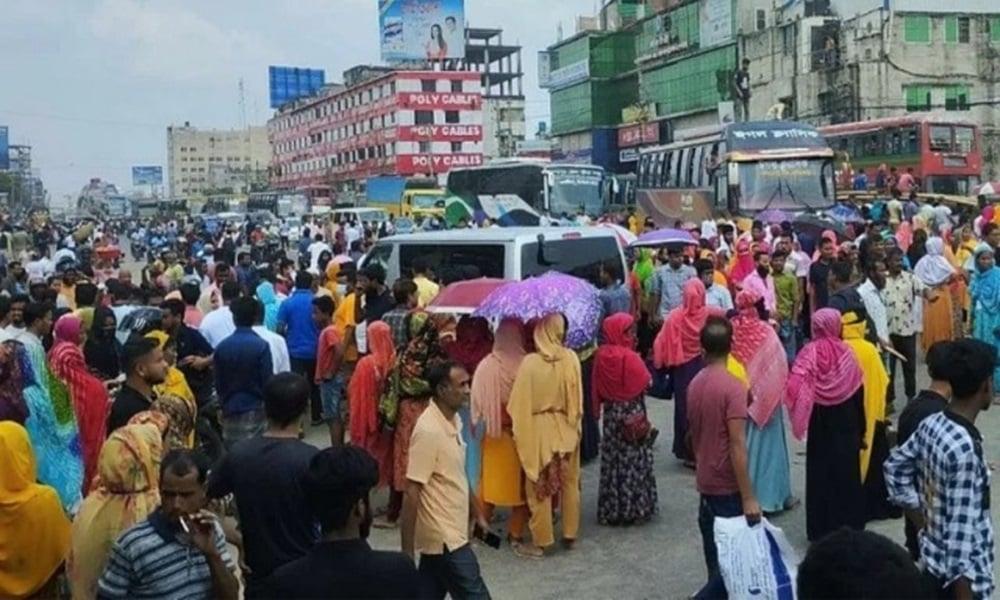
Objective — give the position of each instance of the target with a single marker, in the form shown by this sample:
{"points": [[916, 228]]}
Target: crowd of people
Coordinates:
{"points": [[157, 424]]}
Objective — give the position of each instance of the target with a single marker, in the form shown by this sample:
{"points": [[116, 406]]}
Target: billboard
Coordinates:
{"points": [[147, 175], [291, 83], [421, 29], [4, 148], [715, 24], [439, 101]]}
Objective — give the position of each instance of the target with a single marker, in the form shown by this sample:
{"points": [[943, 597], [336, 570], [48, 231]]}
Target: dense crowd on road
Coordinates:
{"points": [[157, 378]]}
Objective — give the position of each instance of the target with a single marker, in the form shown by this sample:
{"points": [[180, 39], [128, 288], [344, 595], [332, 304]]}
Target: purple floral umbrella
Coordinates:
{"points": [[663, 237], [548, 294]]}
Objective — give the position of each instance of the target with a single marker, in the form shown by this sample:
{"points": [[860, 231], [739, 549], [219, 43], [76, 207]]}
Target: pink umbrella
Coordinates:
{"points": [[463, 297], [341, 259], [624, 236], [990, 188]]}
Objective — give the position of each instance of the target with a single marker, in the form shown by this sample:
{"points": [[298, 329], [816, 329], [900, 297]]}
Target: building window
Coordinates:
{"points": [[428, 85], [761, 19], [917, 28], [963, 30], [425, 148], [956, 97], [451, 116], [456, 86], [788, 40], [423, 117], [918, 98], [994, 27], [456, 147]]}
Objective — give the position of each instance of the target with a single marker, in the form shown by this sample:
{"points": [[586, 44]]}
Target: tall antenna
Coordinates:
{"points": [[243, 106]]}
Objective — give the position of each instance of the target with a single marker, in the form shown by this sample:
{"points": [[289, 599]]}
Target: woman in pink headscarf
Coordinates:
{"points": [[742, 266], [86, 392], [755, 345], [825, 399], [677, 348]]}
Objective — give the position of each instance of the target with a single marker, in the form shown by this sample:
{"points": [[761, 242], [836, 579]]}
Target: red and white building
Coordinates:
{"points": [[398, 123]]}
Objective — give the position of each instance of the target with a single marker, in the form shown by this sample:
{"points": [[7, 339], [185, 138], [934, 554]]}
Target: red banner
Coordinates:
{"points": [[409, 164], [439, 101], [637, 135], [441, 133]]}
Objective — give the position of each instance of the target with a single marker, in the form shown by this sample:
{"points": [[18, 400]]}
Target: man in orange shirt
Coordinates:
{"points": [[329, 353]]}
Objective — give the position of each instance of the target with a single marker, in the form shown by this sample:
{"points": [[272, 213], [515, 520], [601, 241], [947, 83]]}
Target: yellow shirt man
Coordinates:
{"points": [[427, 290]]}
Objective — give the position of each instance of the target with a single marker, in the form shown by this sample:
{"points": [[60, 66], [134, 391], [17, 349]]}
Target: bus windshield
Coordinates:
{"points": [[786, 184], [426, 200], [573, 190]]}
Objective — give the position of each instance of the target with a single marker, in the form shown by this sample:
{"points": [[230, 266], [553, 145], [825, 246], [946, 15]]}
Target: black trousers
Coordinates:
{"points": [[307, 369], [907, 346], [455, 573]]}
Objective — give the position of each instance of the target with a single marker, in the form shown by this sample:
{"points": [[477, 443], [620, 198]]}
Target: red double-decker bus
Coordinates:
{"points": [[946, 155]]}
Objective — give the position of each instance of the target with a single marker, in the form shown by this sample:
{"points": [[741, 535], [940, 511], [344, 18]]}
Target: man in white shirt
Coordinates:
{"points": [[870, 292], [218, 324], [281, 362], [315, 249]]}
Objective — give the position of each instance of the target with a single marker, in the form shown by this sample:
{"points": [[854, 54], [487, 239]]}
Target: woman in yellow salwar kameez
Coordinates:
{"points": [[935, 272], [875, 378], [502, 477]]}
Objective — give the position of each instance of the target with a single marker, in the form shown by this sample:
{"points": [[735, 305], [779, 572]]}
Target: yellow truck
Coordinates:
{"points": [[412, 197]]}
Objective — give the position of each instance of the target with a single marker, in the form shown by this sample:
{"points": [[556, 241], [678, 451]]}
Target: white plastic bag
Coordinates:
{"points": [[757, 563]]}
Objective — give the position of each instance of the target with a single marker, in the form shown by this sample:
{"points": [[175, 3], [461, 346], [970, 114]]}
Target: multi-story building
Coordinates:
{"points": [[28, 190], [856, 60], [499, 66], [381, 122], [202, 161]]}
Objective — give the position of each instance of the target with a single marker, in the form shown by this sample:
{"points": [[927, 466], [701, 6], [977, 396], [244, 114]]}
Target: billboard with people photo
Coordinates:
{"points": [[422, 29]]}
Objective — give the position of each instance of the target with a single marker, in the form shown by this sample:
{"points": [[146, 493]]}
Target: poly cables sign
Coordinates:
{"points": [[441, 133], [438, 101], [435, 163]]}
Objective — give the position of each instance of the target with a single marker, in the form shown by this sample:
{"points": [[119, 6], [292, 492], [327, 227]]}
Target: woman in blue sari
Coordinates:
{"points": [[985, 293], [52, 426]]}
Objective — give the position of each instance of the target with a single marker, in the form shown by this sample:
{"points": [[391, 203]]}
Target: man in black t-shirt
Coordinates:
{"points": [[194, 353], [264, 474], [343, 565], [144, 368], [819, 275]]}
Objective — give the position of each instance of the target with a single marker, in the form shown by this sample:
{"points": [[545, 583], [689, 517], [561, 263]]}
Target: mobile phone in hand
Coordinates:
{"points": [[487, 537]]}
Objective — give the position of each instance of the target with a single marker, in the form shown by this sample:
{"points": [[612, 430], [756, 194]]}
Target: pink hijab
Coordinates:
{"points": [[744, 263], [679, 339], [825, 372], [904, 235], [756, 345], [68, 329], [494, 377]]}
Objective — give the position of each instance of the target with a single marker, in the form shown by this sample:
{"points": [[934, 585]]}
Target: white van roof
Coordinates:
{"points": [[500, 234]]}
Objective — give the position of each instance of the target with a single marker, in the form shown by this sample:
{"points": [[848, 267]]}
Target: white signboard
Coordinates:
{"points": [[569, 75], [715, 22], [544, 69]]}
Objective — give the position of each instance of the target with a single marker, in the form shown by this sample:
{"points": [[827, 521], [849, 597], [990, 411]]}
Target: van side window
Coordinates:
{"points": [[455, 262], [380, 254], [581, 257]]}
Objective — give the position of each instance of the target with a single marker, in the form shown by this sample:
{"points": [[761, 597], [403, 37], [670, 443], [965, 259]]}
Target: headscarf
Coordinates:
{"points": [[679, 339], [825, 372], [425, 349], [267, 297], [36, 533], [101, 347], [473, 342], [644, 268], [546, 402], [985, 289], [87, 393], [182, 414], [758, 348], [743, 265], [618, 374], [368, 383], [332, 272], [125, 493], [934, 269], [494, 377], [14, 376], [86, 315], [875, 377]]}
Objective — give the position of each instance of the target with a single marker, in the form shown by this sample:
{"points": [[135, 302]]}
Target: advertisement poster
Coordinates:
{"points": [[4, 148], [422, 29], [716, 22], [148, 175]]}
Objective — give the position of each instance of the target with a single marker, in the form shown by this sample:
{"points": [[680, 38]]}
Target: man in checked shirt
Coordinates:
{"points": [[940, 477]]}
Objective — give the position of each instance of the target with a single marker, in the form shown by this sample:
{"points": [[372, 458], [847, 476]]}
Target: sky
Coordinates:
{"points": [[93, 84]]}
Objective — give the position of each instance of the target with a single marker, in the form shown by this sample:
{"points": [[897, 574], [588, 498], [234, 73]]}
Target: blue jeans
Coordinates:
{"points": [[710, 507], [455, 573], [331, 392], [788, 333]]}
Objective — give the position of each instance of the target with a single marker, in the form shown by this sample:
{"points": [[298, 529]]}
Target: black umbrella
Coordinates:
{"points": [[815, 225]]}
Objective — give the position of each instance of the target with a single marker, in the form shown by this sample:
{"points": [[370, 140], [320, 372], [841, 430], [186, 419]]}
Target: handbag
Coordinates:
{"points": [[636, 427], [388, 402]]}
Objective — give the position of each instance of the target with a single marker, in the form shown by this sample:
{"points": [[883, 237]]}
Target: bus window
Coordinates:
{"points": [[675, 168], [965, 139], [668, 175], [640, 170], [699, 172], [873, 144], [940, 138], [654, 172], [911, 143], [689, 167]]}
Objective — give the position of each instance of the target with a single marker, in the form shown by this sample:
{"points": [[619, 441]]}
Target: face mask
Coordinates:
{"points": [[342, 289]]}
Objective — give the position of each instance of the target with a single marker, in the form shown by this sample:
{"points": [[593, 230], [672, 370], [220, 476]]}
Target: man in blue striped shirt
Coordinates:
{"points": [[180, 550]]}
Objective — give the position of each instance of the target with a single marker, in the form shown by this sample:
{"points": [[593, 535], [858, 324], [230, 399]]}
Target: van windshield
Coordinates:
{"points": [[580, 257], [455, 262]]}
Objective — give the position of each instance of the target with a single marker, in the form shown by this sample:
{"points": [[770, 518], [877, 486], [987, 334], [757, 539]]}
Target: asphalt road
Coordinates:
{"points": [[660, 559]]}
